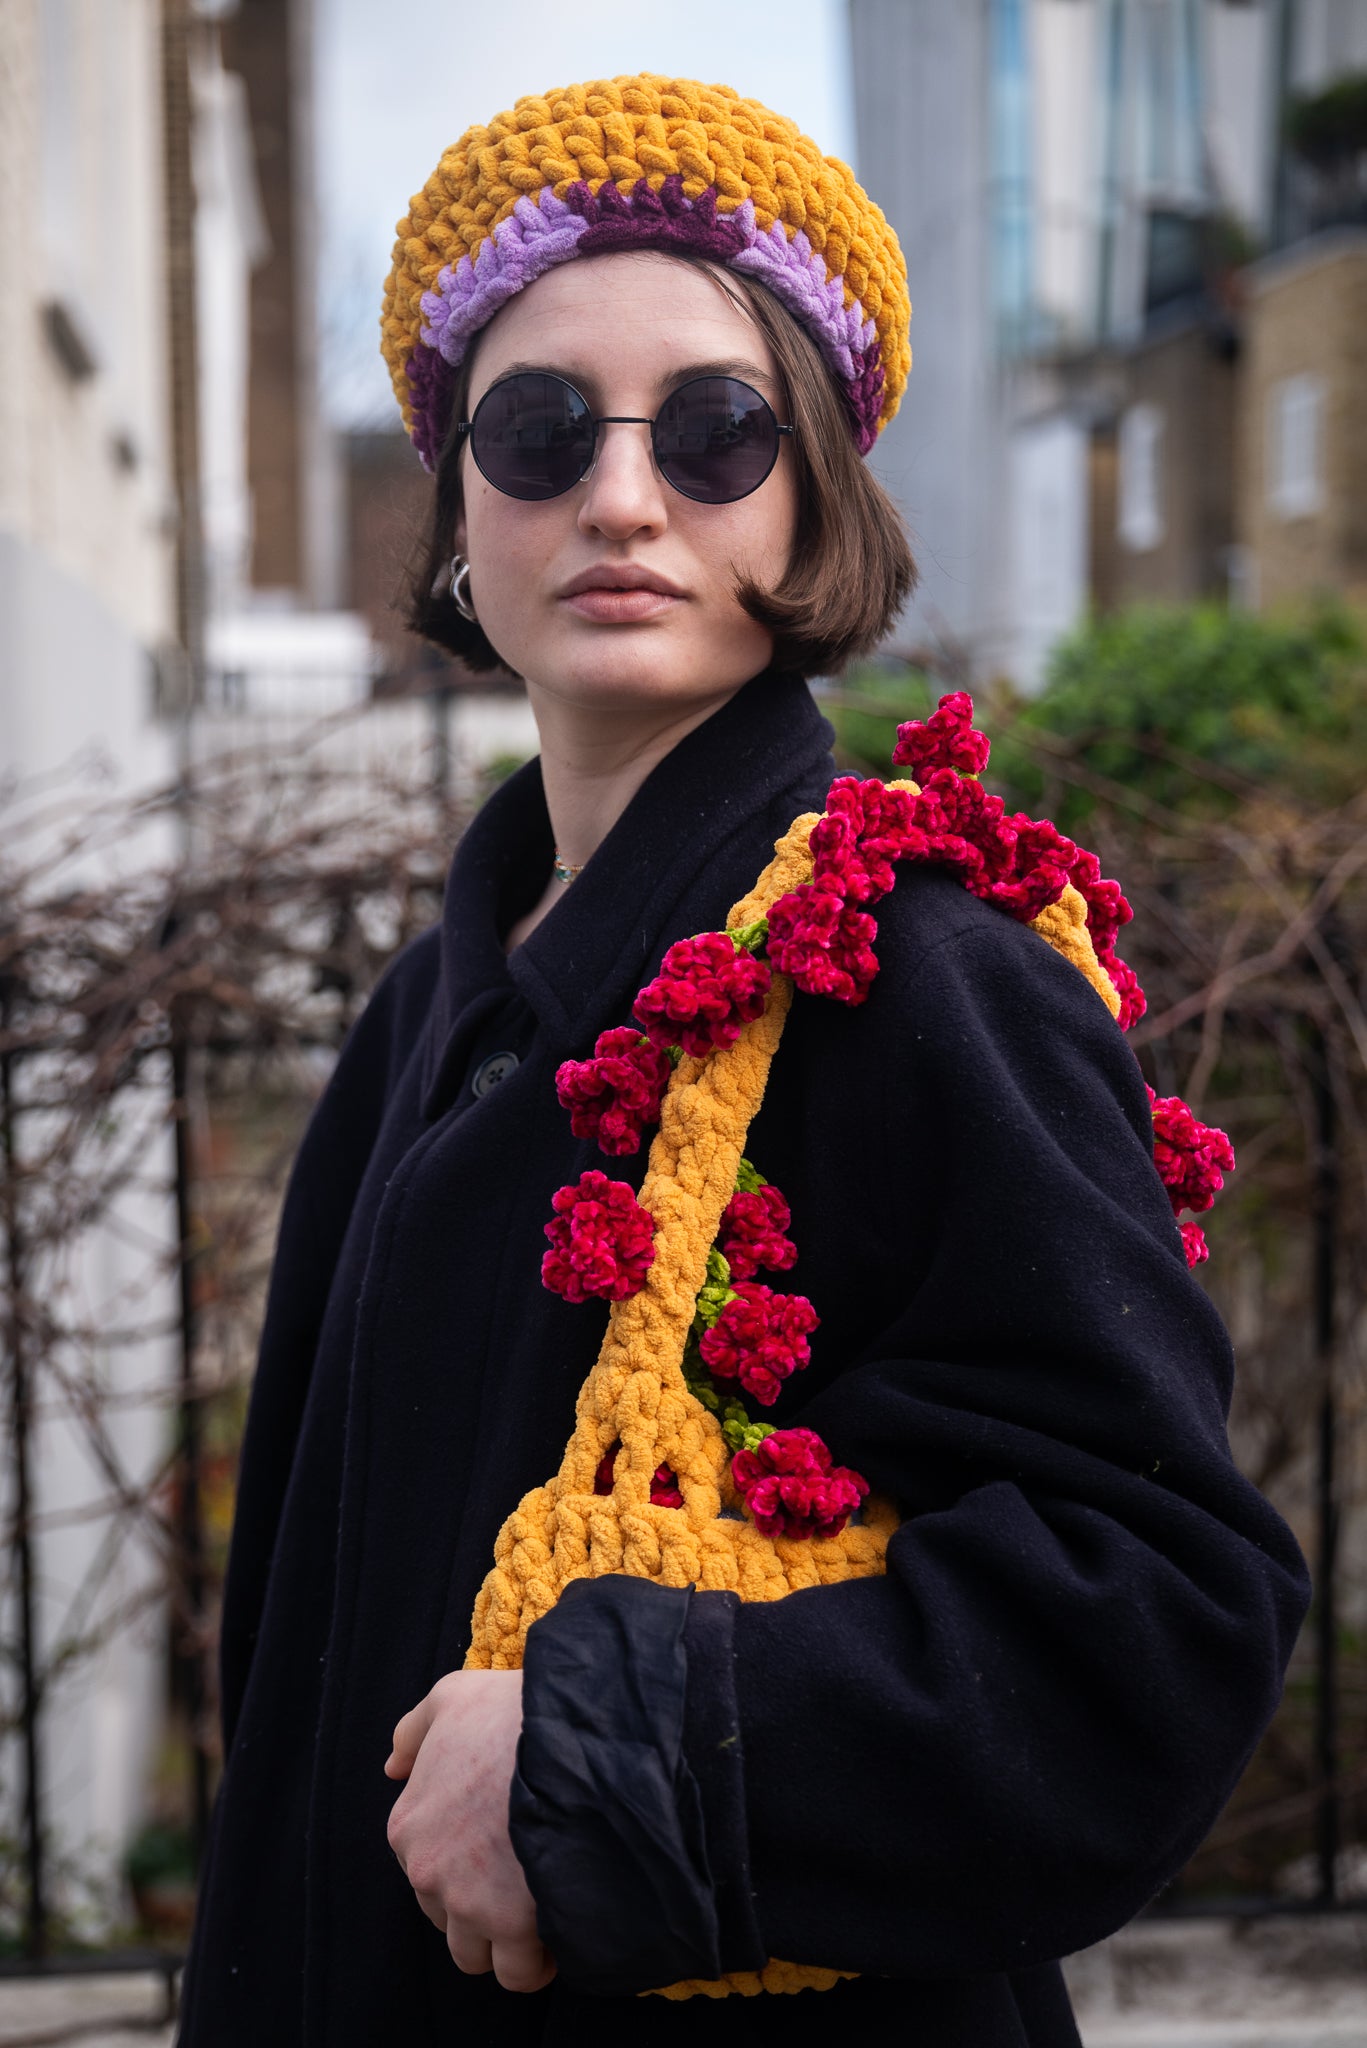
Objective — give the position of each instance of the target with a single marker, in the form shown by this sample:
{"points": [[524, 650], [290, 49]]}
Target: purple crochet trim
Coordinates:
{"points": [[544, 231], [657, 220], [430, 384]]}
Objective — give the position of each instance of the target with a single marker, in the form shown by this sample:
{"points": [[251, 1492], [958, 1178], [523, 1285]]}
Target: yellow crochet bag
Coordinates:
{"points": [[638, 1397]]}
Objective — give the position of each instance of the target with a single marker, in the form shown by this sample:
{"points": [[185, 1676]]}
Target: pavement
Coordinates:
{"points": [[1295, 1982], [90, 2012]]}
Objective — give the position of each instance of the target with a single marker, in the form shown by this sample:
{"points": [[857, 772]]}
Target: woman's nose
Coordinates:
{"points": [[624, 492]]}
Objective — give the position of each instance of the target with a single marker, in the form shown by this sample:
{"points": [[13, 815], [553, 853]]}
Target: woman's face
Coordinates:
{"points": [[625, 330]]}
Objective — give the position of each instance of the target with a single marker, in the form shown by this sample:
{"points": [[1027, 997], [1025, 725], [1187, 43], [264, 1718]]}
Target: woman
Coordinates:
{"points": [[645, 403]]}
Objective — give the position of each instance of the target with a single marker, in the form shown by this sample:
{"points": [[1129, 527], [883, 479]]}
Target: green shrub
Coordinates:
{"points": [[1193, 709]]}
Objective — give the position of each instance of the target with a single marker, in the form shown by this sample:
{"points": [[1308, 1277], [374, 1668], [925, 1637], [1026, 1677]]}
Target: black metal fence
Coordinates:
{"points": [[162, 1037]]}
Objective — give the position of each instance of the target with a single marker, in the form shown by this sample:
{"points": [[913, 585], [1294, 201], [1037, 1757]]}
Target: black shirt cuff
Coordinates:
{"points": [[627, 1808]]}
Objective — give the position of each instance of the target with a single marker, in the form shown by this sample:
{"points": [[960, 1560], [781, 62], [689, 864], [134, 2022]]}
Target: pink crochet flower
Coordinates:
{"points": [[1107, 908], [704, 992], [664, 1487], [1192, 1158], [1107, 911], [1041, 860], [613, 1095], [603, 1477], [944, 740], [825, 944], [759, 1339], [1194, 1244], [791, 1488], [964, 827], [752, 1234], [1133, 1001], [1017, 863], [866, 828], [601, 1240]]}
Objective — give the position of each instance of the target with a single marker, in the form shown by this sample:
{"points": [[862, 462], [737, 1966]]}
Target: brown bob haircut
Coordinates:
{"points": [[851, 569]]}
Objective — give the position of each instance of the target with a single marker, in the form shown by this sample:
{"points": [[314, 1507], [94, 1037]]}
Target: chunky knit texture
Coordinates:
{"points": [[636, 1416], [636, 1395], [643, 162]]}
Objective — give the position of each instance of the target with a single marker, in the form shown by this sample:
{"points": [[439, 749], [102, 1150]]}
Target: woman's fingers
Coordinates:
{"points": [[409, 1736], [433, 1908], [519, 1964], [470, 1950], [449, 1825], [522, 1965]]}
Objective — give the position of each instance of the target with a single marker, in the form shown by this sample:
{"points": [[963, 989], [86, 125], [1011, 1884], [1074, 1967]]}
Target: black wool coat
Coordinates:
{"points": [[942, 1779]]}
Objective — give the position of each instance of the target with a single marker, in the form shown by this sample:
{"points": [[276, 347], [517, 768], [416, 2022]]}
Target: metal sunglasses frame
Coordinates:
{"points": [[466, 428]]}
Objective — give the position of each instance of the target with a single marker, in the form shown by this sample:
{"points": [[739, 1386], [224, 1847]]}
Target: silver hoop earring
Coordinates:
{"points": [[460, 588]]}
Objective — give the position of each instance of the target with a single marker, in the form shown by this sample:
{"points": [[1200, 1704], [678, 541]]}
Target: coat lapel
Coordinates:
{"points": [[581, 967]]}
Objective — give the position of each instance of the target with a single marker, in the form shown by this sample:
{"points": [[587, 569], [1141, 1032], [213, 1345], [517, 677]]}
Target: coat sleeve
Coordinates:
{"points": [[999, 1751], [318, 1202]]}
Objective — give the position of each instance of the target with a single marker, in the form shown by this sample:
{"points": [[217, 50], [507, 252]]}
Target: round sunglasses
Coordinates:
{"points": [[534, 436]]}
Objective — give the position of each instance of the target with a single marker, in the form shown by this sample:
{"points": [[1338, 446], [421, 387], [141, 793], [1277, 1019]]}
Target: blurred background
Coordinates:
{"points": [[1133, 457]]}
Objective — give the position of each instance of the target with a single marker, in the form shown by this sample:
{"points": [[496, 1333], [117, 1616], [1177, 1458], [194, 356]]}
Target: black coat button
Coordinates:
{"points": [[490, 1072]]}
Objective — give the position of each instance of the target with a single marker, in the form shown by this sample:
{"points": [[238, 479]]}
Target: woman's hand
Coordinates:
{"points": [[449, 1826]]}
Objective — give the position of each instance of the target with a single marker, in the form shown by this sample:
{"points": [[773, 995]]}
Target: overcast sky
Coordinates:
{"points": [[398, 83]]}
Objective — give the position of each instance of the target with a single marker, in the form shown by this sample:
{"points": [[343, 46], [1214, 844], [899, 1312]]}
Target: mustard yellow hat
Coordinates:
{"points": [[646, 162]]}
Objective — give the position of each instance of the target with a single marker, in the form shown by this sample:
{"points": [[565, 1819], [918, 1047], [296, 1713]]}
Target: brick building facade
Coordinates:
{"points": [[1163, 469], [1301, 494]]}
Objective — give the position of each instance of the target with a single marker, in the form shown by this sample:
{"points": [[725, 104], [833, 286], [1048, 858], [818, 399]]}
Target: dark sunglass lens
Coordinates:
{"points": [[532, 436], [715, 440]]}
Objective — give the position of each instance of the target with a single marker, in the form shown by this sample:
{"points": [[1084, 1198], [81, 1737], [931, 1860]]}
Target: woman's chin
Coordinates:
{"points": [[623, 666]]}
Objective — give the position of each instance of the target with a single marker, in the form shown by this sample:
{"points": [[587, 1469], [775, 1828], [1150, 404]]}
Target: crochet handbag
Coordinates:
{"points": [[667, 1476]]}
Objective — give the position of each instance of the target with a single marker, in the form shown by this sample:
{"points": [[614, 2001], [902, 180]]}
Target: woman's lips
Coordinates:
{"points": [[612, 607]]}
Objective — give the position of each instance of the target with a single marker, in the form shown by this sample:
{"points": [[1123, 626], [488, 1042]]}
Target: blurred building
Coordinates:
{"points": [[88, 512], [276, 643], [1302, 455], [267, 66], [307, 533], [90, 652], [1110, 220]]}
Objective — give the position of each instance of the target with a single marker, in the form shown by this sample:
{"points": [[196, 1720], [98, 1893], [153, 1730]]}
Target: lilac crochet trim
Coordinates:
{"points": [[797, 277], [544, 231], [536, 235]]}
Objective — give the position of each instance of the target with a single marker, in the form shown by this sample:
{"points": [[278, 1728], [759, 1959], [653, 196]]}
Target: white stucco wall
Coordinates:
{"points": [[86, 565], [80, 167]]}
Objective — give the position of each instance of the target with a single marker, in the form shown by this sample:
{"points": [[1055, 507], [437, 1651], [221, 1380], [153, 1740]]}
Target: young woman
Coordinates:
{"points": [[964, 1746]]}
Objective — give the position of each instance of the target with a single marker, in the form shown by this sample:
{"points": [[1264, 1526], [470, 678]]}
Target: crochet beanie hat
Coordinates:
{"points": [[643, 163]]}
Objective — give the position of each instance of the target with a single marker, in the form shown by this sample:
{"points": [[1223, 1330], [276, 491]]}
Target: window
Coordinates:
{"points": [[1139, 520], [1295, 411]]}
